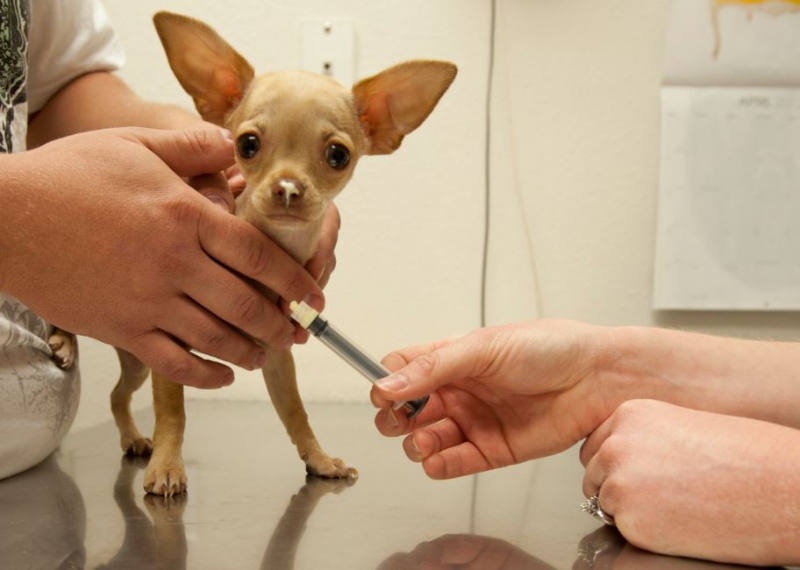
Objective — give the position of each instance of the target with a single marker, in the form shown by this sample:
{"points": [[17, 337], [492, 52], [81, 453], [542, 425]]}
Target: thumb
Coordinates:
{"points": [[427, 372], [190, 153]]}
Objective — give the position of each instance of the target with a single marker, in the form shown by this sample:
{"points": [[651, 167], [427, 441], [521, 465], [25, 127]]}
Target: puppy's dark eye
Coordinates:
{"points": [[338, 156], [248, 145]]}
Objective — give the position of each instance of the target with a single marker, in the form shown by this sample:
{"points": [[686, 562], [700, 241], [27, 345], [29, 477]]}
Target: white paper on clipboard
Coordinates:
{"points": [[728, 232]]}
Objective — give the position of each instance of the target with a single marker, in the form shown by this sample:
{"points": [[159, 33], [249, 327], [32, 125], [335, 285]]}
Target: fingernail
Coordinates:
{"points": [[393, 383], [415, 447], [259, 360], [226, 134], [237, 181], [315, 302], [320, 273], [287, 342], [219, 201], [392, 418]]}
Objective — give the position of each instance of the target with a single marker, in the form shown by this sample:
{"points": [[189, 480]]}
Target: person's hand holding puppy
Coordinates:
{"points": [[147, 263]]}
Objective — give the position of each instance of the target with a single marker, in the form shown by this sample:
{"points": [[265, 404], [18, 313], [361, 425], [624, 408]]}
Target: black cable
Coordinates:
{"points": [[487, 159], [487, 198]]}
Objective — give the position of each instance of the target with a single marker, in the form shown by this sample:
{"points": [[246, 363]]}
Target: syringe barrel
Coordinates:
{"points": [[370, 368]]}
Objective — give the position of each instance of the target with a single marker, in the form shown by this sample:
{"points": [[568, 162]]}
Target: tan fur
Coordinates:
{"points": [[296, 115], [132, 376]]}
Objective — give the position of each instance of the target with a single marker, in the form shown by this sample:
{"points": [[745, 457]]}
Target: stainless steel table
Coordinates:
{"points": [[250, 506]]}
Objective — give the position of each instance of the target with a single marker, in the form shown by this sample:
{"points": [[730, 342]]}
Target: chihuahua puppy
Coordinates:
{"points": [[298, 135]]}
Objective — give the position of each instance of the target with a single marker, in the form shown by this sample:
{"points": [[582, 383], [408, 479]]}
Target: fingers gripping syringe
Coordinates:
{"points": [[370, 368]]}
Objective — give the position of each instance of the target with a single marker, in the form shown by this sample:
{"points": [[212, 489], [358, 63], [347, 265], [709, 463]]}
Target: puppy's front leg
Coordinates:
{"points": [[281, 380], [166, 474]]}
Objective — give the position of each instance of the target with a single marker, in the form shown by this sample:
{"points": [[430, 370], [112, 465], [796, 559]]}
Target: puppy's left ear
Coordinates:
{"points": [[396, 101]]}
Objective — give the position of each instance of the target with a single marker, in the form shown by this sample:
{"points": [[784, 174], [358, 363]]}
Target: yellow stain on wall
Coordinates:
{"points": [[771, 7]]}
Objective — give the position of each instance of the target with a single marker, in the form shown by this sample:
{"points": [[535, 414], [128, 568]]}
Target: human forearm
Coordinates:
{"points": [[102, 100], [13, 198], [732, 376]]}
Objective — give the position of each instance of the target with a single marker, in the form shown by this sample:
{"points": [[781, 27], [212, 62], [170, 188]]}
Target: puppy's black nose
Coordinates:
{"points": [[288, 191]]}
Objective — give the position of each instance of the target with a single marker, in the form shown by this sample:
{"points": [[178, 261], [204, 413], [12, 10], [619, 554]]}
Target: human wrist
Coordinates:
{"points": [[756, 379], [101, 100], [650, 363], [172, 117]]}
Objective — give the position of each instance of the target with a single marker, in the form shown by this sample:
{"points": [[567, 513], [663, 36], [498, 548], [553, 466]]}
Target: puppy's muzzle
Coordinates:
{"points": [[288, 191]]}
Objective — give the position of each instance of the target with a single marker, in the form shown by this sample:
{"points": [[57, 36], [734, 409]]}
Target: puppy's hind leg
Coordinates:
{"points": [[132, 376], [64, 346], [281, 380]]}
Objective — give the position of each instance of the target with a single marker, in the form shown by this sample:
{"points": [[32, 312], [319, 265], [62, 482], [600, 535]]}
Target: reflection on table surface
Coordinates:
{"points": [[250, 505]]}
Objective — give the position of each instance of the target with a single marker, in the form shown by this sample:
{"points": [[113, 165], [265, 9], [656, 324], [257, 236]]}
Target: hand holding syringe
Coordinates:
{"points": [[370, 368]]}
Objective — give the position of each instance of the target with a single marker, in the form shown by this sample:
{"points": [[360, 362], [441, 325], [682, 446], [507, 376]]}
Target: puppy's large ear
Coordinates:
{"points": [[208, 69], [397, 100]]}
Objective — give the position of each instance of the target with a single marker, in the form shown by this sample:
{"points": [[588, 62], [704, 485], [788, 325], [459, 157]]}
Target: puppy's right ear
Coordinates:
{"points": [[208, 68]]}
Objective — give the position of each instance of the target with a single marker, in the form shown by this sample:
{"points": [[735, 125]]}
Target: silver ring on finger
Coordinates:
{"points": [[592, 506]]}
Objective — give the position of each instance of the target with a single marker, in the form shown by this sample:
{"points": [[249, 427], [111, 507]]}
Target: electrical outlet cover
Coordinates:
{"points": [[329, 48]]}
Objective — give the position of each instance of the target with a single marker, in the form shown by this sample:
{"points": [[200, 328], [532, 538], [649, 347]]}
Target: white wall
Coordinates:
{"points": [[575, 135]]}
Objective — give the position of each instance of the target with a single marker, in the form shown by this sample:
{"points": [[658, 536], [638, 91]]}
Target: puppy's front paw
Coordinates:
{"points": [[62, 344], [165, 478], [321, 465]]}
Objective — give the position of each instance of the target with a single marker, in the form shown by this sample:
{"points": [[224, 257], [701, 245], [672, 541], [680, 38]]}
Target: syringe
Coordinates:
{"points": [[371, 369]]}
